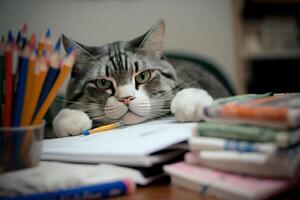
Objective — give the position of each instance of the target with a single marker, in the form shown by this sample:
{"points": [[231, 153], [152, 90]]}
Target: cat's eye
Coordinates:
{"points": [[103, 84], [143, 77]]}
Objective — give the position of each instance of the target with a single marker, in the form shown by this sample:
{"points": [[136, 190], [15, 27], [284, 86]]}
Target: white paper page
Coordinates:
{"points": [[135, 140]]}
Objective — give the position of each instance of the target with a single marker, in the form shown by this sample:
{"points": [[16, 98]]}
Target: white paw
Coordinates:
{"points": [[188, 104], [71, 122]]}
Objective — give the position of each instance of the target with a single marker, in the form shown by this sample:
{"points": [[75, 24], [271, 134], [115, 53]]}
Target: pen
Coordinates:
{"points": [[102, 128]]}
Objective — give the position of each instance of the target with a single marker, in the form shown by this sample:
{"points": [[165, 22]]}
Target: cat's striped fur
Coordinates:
{"points": [[125, 65]]}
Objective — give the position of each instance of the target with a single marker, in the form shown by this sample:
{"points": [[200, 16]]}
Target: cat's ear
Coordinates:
{"points": [[69, 43], [152, 41]]}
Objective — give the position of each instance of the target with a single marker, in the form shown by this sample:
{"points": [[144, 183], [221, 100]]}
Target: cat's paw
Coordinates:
{"points": [[188, 104], [71, 122]]}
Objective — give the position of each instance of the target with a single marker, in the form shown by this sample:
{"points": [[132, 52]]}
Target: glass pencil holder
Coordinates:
{"points": [[20, 147]]}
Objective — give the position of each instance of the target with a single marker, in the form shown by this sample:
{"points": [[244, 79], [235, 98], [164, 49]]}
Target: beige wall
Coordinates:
{"points": [[202, 27]]}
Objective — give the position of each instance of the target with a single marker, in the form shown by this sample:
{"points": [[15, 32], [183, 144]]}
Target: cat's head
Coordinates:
{"points": [[126, 81]]}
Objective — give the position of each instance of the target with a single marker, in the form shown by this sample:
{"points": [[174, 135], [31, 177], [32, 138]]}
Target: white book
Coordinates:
{"points": [[133, 145], [200, 143], [280, 165]]}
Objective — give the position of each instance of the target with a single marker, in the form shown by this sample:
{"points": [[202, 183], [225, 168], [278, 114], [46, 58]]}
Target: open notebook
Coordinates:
{"points": [[136, 145]]}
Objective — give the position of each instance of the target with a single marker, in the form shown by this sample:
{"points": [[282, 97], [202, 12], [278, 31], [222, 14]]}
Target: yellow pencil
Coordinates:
{"points": [[38, 80], [102, 128], [64, 72]]}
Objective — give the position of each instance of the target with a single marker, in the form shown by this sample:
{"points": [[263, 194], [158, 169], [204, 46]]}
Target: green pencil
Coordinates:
{"points": [[2, 46]]}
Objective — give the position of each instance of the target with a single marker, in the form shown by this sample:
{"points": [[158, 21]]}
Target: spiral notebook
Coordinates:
{"points": [[143, 145]]}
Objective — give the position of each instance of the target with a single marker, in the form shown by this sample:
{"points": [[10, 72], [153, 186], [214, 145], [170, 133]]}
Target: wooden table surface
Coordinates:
{"points": [[163, 190]]}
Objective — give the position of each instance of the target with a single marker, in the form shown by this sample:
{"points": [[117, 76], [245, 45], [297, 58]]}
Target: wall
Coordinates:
{"points": [[202, 27]]}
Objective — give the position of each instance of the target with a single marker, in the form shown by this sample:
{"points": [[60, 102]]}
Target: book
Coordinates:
{"points": [[199, 143], [282, 138], [280, 111], [281, 165], [136, 145], [221, 184]]}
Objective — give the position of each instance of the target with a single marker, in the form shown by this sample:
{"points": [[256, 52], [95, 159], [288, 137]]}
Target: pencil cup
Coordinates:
{"points": [[20, 147]]}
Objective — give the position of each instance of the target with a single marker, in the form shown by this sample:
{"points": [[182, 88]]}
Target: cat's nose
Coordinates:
{"points": [[126, 100]]}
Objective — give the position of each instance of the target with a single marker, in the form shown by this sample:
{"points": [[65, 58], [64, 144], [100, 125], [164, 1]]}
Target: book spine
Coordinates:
{"points": [[243, 132], [97, 191]]}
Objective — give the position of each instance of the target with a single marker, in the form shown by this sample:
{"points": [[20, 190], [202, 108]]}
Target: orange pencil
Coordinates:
{"points": [[64, 72], [38, 80], [39, 77], [41, 44]]}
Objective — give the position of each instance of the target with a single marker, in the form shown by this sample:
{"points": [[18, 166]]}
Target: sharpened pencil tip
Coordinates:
{"points": [[10, 37], [48, 33], [57, 45], [86, 132], [25, 28], [19, 37], [69, 50]]}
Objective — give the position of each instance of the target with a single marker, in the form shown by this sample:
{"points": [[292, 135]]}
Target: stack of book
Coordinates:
{"points": [[247, 148]]}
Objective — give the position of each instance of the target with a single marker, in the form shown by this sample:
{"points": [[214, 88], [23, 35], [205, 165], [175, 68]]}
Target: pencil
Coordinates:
{"points": [[48, 42], [8, 97], [102, 128], [24, 32], [50, 79], [39, 77], [2, 49], [41, 44], [38, 80], [64, 72], [20, 89], [29, 89]]}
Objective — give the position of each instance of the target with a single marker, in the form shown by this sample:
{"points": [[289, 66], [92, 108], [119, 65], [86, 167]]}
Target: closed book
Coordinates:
{"points": [[221, 184], [199, 143], [281, 165], [282, 138], [280, 111], [141, 145]]}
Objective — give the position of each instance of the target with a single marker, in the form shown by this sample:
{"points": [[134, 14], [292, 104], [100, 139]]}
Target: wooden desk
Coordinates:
{"points": [[163, 190]]}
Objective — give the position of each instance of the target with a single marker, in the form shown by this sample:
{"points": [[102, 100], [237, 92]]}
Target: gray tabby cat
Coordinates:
{"points": [[132, 82]]}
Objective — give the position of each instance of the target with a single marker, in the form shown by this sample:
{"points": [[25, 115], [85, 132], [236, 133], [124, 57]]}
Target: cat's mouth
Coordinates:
{"points": [[132, 118]]}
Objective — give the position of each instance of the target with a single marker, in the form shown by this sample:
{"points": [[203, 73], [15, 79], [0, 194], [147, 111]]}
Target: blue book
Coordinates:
{"points": [[97, 191]]}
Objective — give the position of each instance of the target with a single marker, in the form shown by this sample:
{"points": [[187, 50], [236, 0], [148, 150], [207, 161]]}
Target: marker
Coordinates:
{"points": [[102, 128]]}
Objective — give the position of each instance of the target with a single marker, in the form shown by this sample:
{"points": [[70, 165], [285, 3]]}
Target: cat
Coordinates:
{"points": [[132, 81]]}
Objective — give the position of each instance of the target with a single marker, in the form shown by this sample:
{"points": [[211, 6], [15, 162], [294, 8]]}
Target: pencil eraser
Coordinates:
{"points": [[86, 132]]}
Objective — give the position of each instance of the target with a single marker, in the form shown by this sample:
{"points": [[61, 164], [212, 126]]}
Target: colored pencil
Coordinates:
{"points": [[20, 89], [28, 89], [102, 128], [24, 31], [38, 80], [50, 79], [39, 77], [2, 49], [64, 72], [41, 44], [48, 42], [8, 97]]}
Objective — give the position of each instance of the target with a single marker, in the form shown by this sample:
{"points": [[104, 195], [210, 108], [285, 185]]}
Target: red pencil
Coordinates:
{"points": [[8, 97]]}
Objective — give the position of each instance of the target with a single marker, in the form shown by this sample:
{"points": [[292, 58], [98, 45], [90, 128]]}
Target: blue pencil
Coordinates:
{"points": [[50, 79], [19, 95], [97, 191]]}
